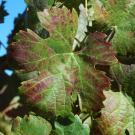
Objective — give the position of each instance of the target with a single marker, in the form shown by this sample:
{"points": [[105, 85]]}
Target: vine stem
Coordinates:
{"points": [[86, 5]]}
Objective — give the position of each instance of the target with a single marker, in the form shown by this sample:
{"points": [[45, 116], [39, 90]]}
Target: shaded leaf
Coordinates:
{"points": [[92, 85], [120, 71], [129, 84], [3, 12], [117, 116], [125, 76], [75, 128], [98, 50], [38, 5], [31, 125], [70, 4]]}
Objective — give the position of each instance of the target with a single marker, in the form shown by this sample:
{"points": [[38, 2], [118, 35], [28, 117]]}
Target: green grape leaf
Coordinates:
{"points": [[74, 128], [118, 115], [51, 2], [62, 25], [67, 65], [31, 125], [47, 93], [98, 51]]}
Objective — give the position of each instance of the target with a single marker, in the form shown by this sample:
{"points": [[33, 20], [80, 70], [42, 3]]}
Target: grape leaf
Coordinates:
{"points": [[118, 115], [28, 51], [30, 48], [81, 78], [56, 59], [98, 50], [68, 64], [65, 64], [47, 93], [31, 125], [76, 127], [92, 85], [75, 75], [61, 24]]}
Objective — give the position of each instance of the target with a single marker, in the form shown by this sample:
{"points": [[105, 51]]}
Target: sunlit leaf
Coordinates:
{"points": [[31, 125], [29, 50], [61, 24], [77, 75], [117, 117], [47, 93]]}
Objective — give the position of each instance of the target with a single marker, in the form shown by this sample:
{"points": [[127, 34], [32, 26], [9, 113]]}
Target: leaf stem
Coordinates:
{"points": [[111, 34], [86, 5]]}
